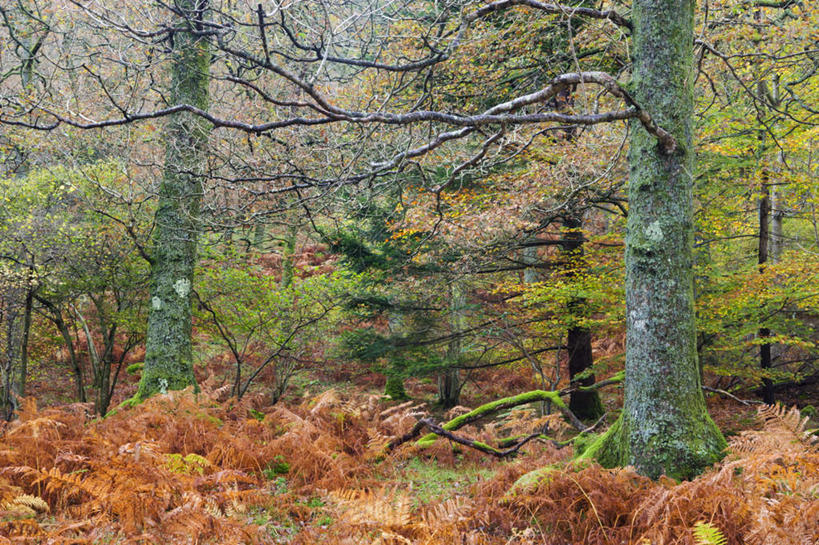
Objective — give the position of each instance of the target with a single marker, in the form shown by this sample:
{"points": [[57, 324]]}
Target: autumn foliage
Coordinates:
{"points": [[186, 468]]}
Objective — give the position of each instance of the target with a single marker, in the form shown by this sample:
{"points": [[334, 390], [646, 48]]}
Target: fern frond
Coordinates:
{"points": [[777, 417], [379, 509], [37, 428], [33, 502], [706, 533], [389, 538], [212, 509], [449, 511]]}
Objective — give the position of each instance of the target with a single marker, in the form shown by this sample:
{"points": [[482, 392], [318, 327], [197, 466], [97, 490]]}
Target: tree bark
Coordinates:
{"points": [[168, 359], [29, 306], [449, 382], [12, 332], [777, 241], [764, 241], [529, 256], [584, 403], [664, 427]]}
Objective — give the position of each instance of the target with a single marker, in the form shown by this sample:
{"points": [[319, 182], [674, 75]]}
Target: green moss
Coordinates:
{"points": [[582, 441], [607, 448], [130, 402], [679, 454], [482, 445], [534, 479], [507, 442], [493, 407]]}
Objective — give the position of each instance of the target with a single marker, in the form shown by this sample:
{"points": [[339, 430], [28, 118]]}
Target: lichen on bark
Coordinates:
{"points": [[168, 358], [664, 427]]}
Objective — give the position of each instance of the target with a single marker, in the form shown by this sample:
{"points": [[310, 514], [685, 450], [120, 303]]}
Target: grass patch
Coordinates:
{"points": [[431, 482]]}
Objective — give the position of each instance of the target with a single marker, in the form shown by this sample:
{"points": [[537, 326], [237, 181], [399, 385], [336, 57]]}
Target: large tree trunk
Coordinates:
{"points": [[585, 404], [168, 360], [664, 427]]}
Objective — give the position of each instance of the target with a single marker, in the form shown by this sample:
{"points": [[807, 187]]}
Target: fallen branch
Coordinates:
{"points": [[503, 404], [471, 443]]}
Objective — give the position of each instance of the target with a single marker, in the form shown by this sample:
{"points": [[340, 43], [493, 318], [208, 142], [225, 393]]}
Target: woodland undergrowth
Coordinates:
{"points": [[186, 468]]}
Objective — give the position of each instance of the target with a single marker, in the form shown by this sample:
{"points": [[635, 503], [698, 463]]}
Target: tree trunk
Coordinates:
{"points": [[259, 235], [777, 241], [530, 274], [449, 382], [585, 404], [764, 332], [105, 387], [776, 245], [12, 331], [76, 368], [168, 359], [29, 305], [664, 427]]}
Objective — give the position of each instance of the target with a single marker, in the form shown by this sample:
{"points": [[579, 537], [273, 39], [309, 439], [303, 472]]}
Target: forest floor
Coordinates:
{"points": [[186, 468]]}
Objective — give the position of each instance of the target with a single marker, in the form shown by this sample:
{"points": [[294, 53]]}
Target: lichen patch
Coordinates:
{"points": [[182, 287]]}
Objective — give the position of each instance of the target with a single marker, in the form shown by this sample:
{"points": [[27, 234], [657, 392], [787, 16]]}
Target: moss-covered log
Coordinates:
{"points": [[168, 360], [503, 452], [664, 427], [493, 407]]}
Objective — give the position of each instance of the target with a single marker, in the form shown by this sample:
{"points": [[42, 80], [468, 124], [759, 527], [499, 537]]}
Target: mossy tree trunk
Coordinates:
{"points": [[664, 427], [168, 360]]}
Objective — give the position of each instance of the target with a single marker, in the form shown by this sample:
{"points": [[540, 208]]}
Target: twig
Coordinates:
{"points": [[732, 396]]}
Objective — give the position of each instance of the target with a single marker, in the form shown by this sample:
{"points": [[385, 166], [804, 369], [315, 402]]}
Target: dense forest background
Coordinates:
{"points": [[364, 272]]}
